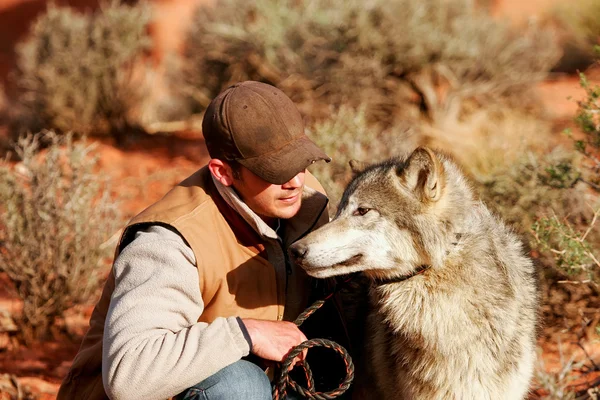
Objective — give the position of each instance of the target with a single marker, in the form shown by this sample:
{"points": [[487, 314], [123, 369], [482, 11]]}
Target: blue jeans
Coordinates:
{"points": [[241, 380]]}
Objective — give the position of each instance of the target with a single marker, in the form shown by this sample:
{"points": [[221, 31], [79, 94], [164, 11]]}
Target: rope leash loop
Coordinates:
{"points": [[285, 381]]}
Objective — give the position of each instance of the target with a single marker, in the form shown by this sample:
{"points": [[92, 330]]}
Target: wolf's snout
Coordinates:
{"points": [[298, 251]]}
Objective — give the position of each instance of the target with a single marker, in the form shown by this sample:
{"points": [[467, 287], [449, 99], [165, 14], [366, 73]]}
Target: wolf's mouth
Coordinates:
{"points": [[351, 261], [346, 263]]}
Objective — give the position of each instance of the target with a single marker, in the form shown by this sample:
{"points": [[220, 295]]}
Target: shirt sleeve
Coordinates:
{"points": [[153, 346]]}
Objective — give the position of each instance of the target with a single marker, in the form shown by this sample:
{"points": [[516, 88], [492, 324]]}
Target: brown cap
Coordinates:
{"points": [[258, 126]]}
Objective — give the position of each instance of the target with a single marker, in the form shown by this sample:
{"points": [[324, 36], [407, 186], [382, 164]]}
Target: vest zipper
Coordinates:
{"points": [[288, 266], [288, 272]]}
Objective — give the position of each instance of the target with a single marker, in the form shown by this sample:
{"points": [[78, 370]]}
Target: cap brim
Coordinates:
{"points": [[280, 166]]}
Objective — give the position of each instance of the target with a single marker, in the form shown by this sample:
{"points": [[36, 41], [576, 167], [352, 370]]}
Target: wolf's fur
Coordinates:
{"points": [[464, 328]]}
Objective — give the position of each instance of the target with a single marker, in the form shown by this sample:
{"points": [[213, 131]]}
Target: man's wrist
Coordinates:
{"points": [[245, 332]]}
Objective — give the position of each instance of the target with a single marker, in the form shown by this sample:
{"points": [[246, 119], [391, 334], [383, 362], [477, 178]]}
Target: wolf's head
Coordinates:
{"points": [[394, 217]]}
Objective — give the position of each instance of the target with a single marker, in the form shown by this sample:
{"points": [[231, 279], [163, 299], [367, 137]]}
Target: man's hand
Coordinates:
{"points": [[272, 340]]}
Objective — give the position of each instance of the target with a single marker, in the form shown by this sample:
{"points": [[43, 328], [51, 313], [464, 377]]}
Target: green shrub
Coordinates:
{"points": [[54, 214], [77, 72], [575, 245], [542, 199], [571, 249], [378, 53], [588, 121]]}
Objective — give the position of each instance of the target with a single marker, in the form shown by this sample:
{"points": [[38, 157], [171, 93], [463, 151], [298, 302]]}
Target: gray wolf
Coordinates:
{"points": [[452, 298]]}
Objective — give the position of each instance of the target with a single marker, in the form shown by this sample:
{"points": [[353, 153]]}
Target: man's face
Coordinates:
{"points": [[267, 200]]}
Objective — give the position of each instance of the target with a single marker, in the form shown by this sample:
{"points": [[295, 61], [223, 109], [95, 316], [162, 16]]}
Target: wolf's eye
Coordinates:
{"points": [[361, 211]]}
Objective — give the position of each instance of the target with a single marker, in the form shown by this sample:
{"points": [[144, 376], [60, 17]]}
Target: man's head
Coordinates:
{"points": [[255, 137]]}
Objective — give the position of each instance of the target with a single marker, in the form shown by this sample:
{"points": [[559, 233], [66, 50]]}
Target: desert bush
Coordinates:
{"points": [[581, 19], [571, 249], [80, 72], [379, 53], [576, 247], [346, 135], [540, 196], [520, 191], [54, 214], [588, 121]]}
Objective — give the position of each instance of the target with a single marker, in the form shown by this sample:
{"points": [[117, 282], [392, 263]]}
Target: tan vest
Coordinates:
{"points": [[235, 277]]}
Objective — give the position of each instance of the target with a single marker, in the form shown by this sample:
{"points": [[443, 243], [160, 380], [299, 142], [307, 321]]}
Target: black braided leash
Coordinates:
{"points": [[285, 381]]}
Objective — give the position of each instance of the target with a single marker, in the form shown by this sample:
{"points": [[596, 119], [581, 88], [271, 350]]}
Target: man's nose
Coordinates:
{"points": [[296, 182]]}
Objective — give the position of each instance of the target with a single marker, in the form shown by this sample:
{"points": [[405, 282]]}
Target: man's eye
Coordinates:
{"points": [[361, 211]]}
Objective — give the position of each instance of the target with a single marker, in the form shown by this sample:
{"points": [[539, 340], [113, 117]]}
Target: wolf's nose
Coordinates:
{"points": [[298, 251]]}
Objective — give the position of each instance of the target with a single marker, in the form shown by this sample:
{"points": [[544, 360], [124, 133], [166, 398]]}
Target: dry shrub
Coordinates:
{"points": [[581, 18], [380, 53], [578, 25], [346, 135], [12, 389], [492, 138], [54, 214], [77, 72]]}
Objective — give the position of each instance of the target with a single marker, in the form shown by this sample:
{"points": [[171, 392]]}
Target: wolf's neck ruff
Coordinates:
{"points": [[418, 271]]}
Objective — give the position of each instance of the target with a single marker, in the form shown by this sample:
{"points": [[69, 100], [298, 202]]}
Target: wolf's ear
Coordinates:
{"points": [[423, 173], [357, 166]]}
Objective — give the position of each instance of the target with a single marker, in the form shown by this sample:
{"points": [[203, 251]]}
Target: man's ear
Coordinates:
{"points": [[423, 173], [357, 166], [221, 171]]}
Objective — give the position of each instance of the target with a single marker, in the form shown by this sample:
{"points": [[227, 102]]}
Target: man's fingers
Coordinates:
{"points": [[296, 361], [302, 356], [273, 340]]}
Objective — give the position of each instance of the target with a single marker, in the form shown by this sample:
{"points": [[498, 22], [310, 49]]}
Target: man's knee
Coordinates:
{"points": [[240, 380]]}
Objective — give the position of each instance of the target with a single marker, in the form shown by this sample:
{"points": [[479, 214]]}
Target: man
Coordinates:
{"points": [[201, 279]]}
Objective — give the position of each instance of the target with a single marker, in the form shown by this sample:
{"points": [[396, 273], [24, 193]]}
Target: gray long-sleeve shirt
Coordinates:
{"points": [[153, 345]]}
